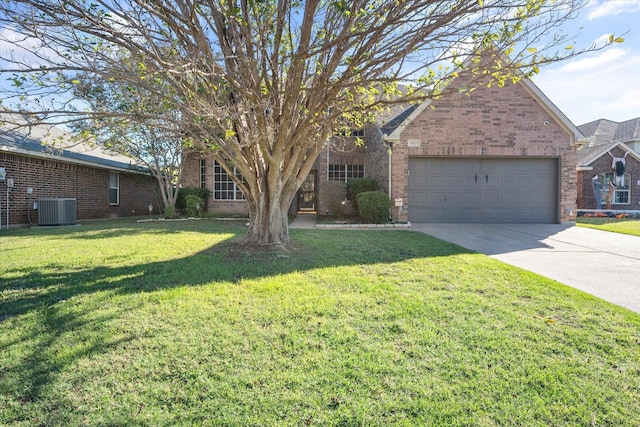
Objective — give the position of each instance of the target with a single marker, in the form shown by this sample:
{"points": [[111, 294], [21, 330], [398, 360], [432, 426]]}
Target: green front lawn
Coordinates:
{"points": [[170, 324], [623, 225]]}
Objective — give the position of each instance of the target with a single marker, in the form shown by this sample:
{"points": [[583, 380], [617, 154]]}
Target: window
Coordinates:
{"points": [[345, 172], [346, 132], [224, 188], [114, 188], [203, 173], [621, 195]]}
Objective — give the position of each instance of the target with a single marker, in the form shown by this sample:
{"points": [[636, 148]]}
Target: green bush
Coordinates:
{"points": [[170, 213], [194, 205], [360, 185], [181, 201], [373, 207]]}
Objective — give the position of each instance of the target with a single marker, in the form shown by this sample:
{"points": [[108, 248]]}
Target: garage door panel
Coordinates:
{"points": [[508, 184], [436, 198], [472, 199], [420, 199], [483, 190], [471, 215]]}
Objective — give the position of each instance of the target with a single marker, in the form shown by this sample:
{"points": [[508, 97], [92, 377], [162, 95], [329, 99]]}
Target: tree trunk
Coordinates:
{"points": [[269, 222]]}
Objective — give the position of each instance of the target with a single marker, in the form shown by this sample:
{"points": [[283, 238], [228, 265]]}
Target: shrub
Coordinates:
{"points": [[194, 205], [374, 207], [170, 213], [360, 185], [181, 201]]}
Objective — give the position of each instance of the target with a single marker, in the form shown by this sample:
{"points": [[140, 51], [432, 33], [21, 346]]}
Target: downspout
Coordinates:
{"points": [[327, 170], [387, 145]]}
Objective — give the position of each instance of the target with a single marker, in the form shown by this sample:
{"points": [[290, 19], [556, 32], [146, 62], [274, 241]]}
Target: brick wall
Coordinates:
{"points": [[191, 178], [346, 153], [88, 185], [490, 122], [586, 199]]}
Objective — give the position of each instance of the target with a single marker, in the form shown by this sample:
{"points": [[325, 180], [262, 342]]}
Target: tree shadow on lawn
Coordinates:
{"points": [[49, 296], [120, 228], [225, 262]]}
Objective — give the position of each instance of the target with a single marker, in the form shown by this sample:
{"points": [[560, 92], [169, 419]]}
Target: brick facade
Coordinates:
{"points": [[88, 185], [515, 121], [586, 199], [347, 153], [511, 121], [192, 177]]}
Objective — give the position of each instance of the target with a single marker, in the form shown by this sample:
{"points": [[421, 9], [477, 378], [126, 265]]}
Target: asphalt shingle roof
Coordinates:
{"points": [[10, 140], [604, 134]]}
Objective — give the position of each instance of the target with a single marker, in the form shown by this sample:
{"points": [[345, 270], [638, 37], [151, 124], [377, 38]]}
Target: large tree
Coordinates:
{"points": [[265, 84], [156, 142]]}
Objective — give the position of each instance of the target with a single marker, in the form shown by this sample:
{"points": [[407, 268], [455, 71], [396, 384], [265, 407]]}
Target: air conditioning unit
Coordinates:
{"points": [[56, 211]]}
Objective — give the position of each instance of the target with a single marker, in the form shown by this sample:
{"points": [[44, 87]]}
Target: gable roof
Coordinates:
{"points": [[588, 155], [605, 131], [529, 86], [38, 143], [604, 135], [628, 130], [396, 117]]}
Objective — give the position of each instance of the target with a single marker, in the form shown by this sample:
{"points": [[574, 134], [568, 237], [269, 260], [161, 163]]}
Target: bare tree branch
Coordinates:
{"points": [[265, 84]]}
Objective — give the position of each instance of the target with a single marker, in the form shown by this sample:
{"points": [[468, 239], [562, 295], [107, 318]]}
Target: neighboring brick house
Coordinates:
{"points": [[103, 185], [606, 140], [495, 155]]}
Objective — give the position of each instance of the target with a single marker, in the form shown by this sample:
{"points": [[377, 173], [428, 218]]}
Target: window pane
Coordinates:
{"points": [[621, 194], [621, 197], [224, 187], [113, 188], [203, 173], [113, 196]]}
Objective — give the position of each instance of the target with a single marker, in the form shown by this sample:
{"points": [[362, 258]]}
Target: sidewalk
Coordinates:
{"points": [[303, 221]]}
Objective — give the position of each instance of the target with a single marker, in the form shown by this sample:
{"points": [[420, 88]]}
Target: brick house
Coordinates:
{"points": [[102, 184], [606, 140], [493, 155]]}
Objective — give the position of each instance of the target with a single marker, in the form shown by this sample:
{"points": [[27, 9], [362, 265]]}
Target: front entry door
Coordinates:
{"points": [[307, 194]]}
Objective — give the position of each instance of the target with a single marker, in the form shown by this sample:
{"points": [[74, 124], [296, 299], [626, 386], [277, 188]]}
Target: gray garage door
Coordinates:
{"points": [[484, 190]]}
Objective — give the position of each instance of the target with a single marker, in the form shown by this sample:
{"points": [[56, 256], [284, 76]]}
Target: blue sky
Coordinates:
{"points": [[604, 84]]}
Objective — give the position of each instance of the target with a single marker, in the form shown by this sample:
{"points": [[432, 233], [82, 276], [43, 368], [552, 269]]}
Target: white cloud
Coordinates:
{"points": [[604, 85], [600, 9], [597, 60], [21, 49]]}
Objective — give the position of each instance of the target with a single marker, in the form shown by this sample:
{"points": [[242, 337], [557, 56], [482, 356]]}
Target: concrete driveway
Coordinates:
{"points": [[601, 263]]}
